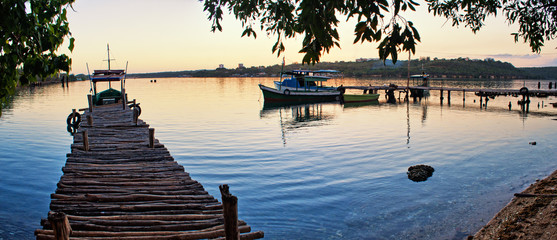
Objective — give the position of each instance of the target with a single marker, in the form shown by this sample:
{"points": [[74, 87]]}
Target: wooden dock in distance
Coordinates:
{"points": [[531, 92], [481, 92], [119, 183]]}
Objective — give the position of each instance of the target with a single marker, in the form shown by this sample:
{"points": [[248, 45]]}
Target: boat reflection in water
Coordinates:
{"points": [[360, 104], [295, 117]]}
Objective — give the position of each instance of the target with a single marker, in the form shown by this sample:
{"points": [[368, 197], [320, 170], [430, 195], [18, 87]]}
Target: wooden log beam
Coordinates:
{"points": [[230, 212], [175, 217], [60, 225], [128, 197], [157, 235], [85, 140]]}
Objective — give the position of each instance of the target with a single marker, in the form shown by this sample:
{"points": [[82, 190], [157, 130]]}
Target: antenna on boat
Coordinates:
{"points": [[90, 80], [126, 72], [108, 51], [281, 71]]}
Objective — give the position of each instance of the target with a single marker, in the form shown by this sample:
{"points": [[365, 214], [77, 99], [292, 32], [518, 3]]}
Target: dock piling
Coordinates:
{"points": [[151, 137], [230, 212], [90, 100], [441, 97], [123, 99], [85, 140], [60, 225], [89, 120]]}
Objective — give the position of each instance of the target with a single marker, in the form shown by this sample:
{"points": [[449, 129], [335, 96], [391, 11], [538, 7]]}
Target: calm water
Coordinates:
{"points": [[322, 171]]}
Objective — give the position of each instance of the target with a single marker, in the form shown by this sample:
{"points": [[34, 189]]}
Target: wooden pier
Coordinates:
{"points": [[119, 182], [524, 92]]}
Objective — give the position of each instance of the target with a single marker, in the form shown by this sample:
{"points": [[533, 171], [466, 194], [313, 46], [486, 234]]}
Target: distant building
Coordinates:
{"points": [[221, 66], [241, 66], [363, 59]]}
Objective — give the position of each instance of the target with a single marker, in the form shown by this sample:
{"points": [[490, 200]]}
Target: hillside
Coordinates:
{"points": [[436, 68]]}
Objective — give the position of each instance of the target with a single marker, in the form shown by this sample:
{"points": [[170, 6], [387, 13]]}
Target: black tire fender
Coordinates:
{"points": [[73, 119]]}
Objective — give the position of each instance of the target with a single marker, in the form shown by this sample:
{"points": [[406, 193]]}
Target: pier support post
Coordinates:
{"points": [[90, 120], [441, 97], [60, 225], [123, 99], [85, 140], [230, 212], [151, 137], [135, 113], [90, 100]]}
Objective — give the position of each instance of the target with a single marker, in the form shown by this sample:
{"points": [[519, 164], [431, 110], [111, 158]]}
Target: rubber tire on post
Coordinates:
{"points": [[523, 91], [73, 120], [137, 107], [286, 92]]}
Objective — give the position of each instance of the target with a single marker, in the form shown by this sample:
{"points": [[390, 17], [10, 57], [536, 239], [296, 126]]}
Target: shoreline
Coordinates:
{"points": [[530, 214]]}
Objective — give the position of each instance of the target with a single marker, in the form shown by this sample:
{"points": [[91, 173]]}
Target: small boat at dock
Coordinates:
{"points": [[420, 80], [357, 98], [109, 95], [301, 86]]}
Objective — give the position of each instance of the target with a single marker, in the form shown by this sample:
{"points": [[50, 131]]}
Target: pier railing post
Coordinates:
{"points": [[60, 225], [135, 116], [123, 99], [230, 212], [151, 137], [90, 100], [90, 120], [85, 140]]}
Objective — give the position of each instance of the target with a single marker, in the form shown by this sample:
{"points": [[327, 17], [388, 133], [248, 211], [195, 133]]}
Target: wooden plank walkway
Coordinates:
{"points": [[123, 189]]}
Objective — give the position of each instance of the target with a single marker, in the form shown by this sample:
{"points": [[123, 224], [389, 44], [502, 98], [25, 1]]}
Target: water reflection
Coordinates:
{"points": [[295, 117]]}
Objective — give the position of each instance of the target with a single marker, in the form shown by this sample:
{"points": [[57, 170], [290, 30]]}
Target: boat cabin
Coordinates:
{"points": [[109, 95], [420, 80], [305, 79]]}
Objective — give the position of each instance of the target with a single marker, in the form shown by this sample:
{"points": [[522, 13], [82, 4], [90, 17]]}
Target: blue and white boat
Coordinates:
{"points": [[305, 80], [301, 86]]}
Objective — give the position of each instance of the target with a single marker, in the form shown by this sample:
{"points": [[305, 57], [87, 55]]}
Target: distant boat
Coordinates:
{"points": [[420, 80], [301, 86], [110, 95]]}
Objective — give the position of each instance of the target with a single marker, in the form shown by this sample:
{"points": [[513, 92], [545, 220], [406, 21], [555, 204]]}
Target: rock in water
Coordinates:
{"points": [[420, 173]]}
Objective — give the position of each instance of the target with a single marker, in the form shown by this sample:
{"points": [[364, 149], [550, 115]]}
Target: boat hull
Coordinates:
{"points": [[291, 96], [357, 98]]}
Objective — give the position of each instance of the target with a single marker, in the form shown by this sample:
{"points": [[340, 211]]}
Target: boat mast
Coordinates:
{"points": [[108, 51], [281, 70]]}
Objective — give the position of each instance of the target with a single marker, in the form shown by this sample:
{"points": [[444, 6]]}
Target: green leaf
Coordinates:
{"points": [[72, 40]]}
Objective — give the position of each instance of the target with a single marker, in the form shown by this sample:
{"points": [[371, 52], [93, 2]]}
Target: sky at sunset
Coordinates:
{"points": [[174, 35]]}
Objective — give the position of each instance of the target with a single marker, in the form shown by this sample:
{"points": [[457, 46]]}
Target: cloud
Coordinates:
{"points": [[552, 62], [515, 56]]}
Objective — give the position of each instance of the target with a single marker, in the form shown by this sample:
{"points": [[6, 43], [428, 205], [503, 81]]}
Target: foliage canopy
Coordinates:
{"points": [[377, 21], [30, 33]]}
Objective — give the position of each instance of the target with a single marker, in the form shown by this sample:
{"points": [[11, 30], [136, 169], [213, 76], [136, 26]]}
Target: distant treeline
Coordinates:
{"points": [[436, 68]]}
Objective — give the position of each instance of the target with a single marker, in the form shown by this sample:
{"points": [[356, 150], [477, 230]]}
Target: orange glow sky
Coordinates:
{"points": [[174, 35]]}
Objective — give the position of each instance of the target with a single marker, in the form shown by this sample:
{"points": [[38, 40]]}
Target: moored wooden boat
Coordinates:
{"points": [[110, 95], [355, 98], [293, 96]]}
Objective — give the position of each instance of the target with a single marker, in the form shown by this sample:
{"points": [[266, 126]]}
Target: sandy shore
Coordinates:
{"points": [[531, 214]]}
